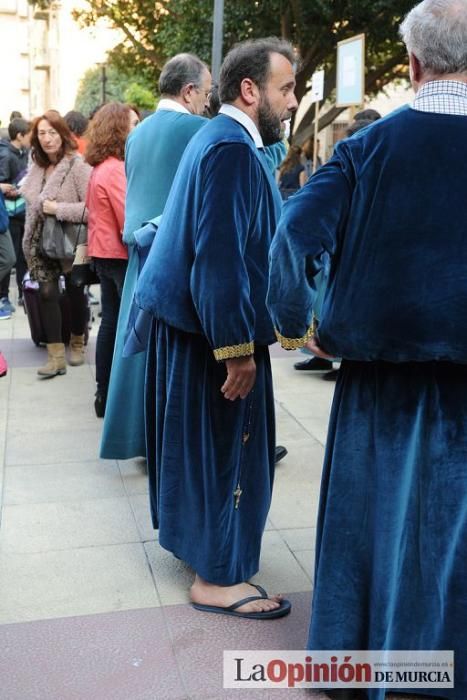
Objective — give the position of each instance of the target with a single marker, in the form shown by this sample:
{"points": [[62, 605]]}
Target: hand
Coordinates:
{"points": [[241, 375], [49, 207], [317, 350], [5, 187]]}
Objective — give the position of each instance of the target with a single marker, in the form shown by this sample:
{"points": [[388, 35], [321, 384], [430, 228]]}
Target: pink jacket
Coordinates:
{"points": [[69, 194], [105, 202]]}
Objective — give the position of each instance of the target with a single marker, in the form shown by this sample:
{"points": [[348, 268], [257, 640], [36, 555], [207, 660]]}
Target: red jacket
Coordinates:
{"points": [[105, 201]]}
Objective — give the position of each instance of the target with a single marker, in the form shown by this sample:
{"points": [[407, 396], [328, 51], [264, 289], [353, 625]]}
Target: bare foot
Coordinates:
{"points": [[206, 593]]}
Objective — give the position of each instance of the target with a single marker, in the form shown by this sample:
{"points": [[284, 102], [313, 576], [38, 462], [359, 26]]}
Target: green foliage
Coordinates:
{"points": [[155, 30], [139, 96], [90, 92]]}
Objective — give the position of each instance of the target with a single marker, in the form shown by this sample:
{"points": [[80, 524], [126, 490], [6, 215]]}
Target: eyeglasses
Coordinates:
{"points": [[199, 90]]}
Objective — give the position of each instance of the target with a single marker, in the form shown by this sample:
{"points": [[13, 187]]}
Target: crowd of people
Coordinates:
{"points": [[210, 245]]}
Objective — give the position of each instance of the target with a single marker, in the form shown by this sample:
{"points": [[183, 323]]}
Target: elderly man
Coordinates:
{"points": [[390, 209], [205, 283], [152, 156]]}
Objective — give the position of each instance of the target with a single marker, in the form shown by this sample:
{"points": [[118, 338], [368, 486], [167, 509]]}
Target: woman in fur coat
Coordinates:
{"points": [[56, 184]]}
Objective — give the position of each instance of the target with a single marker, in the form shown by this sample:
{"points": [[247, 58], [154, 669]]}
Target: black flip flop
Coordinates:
{"points": [[284, 609]]}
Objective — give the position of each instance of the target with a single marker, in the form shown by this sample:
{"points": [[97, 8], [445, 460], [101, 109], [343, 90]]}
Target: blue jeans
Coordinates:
{"points": [[111, 273]]}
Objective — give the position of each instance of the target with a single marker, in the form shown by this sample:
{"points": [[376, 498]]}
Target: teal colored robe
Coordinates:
{"points": [[153, 152]]}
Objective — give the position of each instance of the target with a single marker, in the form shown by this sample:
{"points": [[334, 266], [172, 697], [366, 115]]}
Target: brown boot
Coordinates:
{"points": [[55, 363], [76, 350]]}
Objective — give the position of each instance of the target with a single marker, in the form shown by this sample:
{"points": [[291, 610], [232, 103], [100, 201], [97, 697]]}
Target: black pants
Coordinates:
{"points": [[51, 313], [111, 273]]}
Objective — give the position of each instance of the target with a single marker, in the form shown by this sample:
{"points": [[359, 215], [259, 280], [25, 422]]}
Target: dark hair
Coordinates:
{"points": [[308, 148], [58, 123], [95, 110], [291, 160], [77, 122], [368, 114], [18, 126], [107, 133], [183, 69], [250, 59], [357, 125], [15, 115], [214, 102]]}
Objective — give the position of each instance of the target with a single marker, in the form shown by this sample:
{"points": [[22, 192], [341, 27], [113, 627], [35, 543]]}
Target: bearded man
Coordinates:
{"points": [[205, 283]]}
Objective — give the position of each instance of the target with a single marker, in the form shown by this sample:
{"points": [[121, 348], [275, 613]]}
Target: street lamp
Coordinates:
{"points": [[103, 82]]}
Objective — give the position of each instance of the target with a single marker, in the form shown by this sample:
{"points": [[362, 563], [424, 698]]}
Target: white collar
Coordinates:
{"points": [[244, 120], [172, 105]]}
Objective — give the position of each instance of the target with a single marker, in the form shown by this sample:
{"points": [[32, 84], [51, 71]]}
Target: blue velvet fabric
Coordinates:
{"points": [[153, 152], [207, 269], [398, 280], [389, 209], [391, 565], [198, 455]]}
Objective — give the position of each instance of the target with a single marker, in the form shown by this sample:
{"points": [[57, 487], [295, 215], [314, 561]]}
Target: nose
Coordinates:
{"points": [[292, 104]]}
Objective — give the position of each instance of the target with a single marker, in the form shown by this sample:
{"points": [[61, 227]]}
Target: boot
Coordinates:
{"points": [[76, 350], [55, 363]]}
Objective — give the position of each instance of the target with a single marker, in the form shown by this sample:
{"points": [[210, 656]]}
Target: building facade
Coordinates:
{"points": [[44, 54]]}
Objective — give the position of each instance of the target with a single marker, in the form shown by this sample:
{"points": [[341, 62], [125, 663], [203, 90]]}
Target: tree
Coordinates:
{"points": [[154, 31], [118, 86]]}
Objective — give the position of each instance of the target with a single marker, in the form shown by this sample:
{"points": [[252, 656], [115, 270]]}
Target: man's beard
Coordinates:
{"points": [[269, 123]]}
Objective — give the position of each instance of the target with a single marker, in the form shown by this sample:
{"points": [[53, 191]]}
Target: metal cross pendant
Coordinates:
{"points": [[237, 493]]}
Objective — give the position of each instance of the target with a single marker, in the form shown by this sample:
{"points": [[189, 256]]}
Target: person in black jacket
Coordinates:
{"points": [[13, 166]]}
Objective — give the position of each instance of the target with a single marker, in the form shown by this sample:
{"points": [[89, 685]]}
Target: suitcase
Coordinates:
{"points": [[33, 311]]}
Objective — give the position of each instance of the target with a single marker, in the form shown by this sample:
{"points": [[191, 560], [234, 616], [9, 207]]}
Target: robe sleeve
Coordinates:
{"points": [[311, 224], [219, 282]]}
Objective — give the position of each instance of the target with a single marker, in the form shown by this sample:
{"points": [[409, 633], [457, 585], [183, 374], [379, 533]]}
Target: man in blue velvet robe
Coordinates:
{"points": [[205, 283], [152, 155], [390, 209]]}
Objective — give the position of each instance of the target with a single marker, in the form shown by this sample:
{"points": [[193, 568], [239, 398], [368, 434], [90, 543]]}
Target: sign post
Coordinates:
{"points": [[317, 93]]}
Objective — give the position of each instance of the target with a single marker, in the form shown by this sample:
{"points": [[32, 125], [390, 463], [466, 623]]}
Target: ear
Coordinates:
{"points": [[249, 92], [185, 93], [415, 70]]}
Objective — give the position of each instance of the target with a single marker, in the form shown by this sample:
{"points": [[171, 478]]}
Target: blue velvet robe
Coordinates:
{"points": [[152, 156], [205, 283], [389, 208]]}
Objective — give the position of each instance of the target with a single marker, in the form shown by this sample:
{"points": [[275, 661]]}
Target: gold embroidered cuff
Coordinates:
{"points": [[230, 351], [295, 343]]}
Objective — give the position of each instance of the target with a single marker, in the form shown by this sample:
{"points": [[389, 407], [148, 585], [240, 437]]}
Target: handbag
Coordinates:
{"points": [[15, 207], [60, 238], [83, 272]]}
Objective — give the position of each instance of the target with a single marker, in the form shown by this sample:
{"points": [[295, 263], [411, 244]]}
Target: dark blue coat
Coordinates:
{"points": [[207, 269], [390, 209]]}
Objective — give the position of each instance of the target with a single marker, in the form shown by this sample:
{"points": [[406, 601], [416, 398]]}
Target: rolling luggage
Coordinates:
{"points": [[33, 311]]}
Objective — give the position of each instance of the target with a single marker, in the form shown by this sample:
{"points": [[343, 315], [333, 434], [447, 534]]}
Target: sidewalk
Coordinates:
{"points": [[90, 606]]}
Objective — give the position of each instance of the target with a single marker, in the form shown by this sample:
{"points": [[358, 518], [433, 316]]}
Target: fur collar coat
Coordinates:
{"points": [[66, 185]]}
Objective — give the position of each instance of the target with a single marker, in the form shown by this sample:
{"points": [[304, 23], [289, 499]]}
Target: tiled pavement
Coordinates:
{"points": [[91, 608]]}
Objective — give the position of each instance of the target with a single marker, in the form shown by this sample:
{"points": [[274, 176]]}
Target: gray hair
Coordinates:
{"points": [[435, 31], [183, 69]]}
